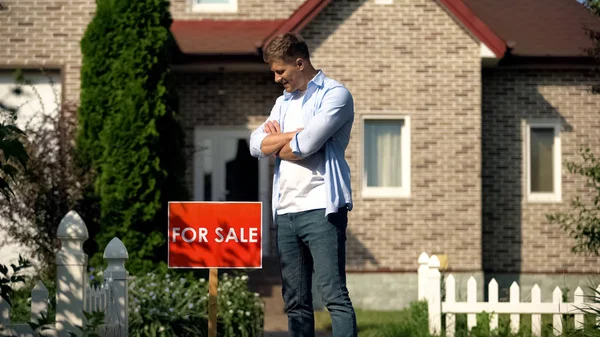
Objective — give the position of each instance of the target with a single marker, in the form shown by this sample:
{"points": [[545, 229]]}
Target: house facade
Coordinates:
{"points": [[464, 112]]}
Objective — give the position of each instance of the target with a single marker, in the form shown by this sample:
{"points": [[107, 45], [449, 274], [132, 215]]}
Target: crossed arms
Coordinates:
{"points": [[278, 143], [337, 108]]}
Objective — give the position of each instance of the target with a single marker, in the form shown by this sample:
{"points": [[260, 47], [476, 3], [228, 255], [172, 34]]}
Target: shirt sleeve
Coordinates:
{"points": [[336, 109], [259, 134]]}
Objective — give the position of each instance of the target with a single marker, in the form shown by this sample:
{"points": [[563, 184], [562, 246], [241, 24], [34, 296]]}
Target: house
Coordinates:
{"points": [[465, 110]]}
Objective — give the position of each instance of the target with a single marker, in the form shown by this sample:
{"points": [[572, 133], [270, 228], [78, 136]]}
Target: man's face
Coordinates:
{"points": [[289, 74]]}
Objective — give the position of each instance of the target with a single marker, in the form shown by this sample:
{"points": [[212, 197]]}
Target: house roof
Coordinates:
{"points": [[212, 37], [222, 37], [476, 26], [538, 27], [529, 27]]}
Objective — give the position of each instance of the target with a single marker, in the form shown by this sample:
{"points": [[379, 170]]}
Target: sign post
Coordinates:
{"points": [[213, 284], [214, 235]]}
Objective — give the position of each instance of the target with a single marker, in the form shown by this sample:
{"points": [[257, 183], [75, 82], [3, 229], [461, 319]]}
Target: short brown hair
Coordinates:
{"points": [[286, 47]]}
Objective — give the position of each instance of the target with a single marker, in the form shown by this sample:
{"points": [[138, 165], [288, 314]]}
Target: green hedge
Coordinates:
{"points": [[128, 133]]}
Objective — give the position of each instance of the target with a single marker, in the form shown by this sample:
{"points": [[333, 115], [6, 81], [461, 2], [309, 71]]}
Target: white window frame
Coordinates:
{"points": [[231, 7], [405, 141], [542, 197]]}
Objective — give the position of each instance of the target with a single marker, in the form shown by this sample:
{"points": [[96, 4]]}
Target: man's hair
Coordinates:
{"points": [[286, 47]]}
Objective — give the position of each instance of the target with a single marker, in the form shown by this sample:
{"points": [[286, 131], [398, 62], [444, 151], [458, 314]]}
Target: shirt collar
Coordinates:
{"points": [[318, 80]]}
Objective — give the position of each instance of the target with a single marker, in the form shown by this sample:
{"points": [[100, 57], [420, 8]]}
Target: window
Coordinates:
{"points": [[386, 156], [543, 162], [215, 6]]}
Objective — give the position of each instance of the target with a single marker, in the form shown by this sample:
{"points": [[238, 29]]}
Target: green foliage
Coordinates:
{"points": [[13, 156], [594, 52], [9, 280], [413, 322], [582, 221], [128, 132], [93, 321], [594, 5], [20, 312], [52, 184], [44, 323], [166, 305]]}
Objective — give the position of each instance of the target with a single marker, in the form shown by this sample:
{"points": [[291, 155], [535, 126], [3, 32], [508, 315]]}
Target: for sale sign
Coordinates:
{"points": [[215, 235]]}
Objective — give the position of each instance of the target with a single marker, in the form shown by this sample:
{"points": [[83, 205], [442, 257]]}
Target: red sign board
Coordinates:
{"points": [[215, 235]]}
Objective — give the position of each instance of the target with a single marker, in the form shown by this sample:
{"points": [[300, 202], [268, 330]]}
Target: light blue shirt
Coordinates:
{"points": [[328, 110]]}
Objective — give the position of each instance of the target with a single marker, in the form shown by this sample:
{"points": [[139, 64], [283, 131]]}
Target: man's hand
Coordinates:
{"points": [[272, 127], [275, 140]]}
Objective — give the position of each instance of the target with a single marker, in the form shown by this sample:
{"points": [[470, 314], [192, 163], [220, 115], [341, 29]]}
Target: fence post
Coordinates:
{"points": [[578, 300], [536, 319], [71, 282], [434, 296], [515, 297], [116, 255], [450, 298], [39, 301], [423, 275], [493, 299], [471, 299], [557, 319]]}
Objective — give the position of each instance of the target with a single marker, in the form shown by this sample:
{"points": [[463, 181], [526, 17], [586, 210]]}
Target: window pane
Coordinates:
{"points": [[212, 1], [542, 162], [382, 153]]}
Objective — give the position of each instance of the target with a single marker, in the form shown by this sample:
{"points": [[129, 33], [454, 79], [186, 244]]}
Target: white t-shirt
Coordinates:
{"points": [[301, 182]]}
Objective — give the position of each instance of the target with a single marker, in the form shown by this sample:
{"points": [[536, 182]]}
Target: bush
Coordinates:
{"points": [[128, 133], [177, 306]]}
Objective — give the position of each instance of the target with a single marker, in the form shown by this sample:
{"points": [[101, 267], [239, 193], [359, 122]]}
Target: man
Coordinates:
{"points": [[308, 132]]}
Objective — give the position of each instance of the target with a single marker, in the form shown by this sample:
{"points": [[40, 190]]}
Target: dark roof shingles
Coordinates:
{"points": [[539, 27], [222, 37]]}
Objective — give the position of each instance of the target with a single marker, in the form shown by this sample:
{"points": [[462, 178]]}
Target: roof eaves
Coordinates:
{"points": [[299, 19], [476, 26]]}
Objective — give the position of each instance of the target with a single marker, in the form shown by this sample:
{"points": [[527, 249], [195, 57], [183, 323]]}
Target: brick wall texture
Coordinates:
{"points": [[417, 63], [45, 33], [408, 59], [247, 10], [516, 234]]}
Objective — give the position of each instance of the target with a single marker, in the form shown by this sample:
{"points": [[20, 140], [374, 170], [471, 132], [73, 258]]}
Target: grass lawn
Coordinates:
{"points": [[412, 322]]}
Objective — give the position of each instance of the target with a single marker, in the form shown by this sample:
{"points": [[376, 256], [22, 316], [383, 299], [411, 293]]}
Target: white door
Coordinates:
{"points": [[224, 170]]}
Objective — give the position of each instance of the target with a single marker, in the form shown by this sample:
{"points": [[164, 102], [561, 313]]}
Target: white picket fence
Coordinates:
{"points": [[74, 295], [429, 289]]}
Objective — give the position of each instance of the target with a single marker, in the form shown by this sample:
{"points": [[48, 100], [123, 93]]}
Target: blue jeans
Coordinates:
{"points": [[308, 241]]}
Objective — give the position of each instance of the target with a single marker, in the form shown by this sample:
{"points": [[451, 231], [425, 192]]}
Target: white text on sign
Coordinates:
{"points": [[190, 234]]}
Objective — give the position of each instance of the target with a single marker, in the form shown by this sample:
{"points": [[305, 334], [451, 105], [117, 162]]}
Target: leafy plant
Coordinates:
{"points": [[44, 323], [13, 156], [52, 184], [7, 281], [582, 220], [93, 322], [167, 305], [128, 133]]}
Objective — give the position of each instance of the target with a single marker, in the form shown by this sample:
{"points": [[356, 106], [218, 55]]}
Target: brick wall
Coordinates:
{"points": [[48, 33], [516, 235], [418, 63], [223, 99], [45, 33], [413, 59], [247, 10]]}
